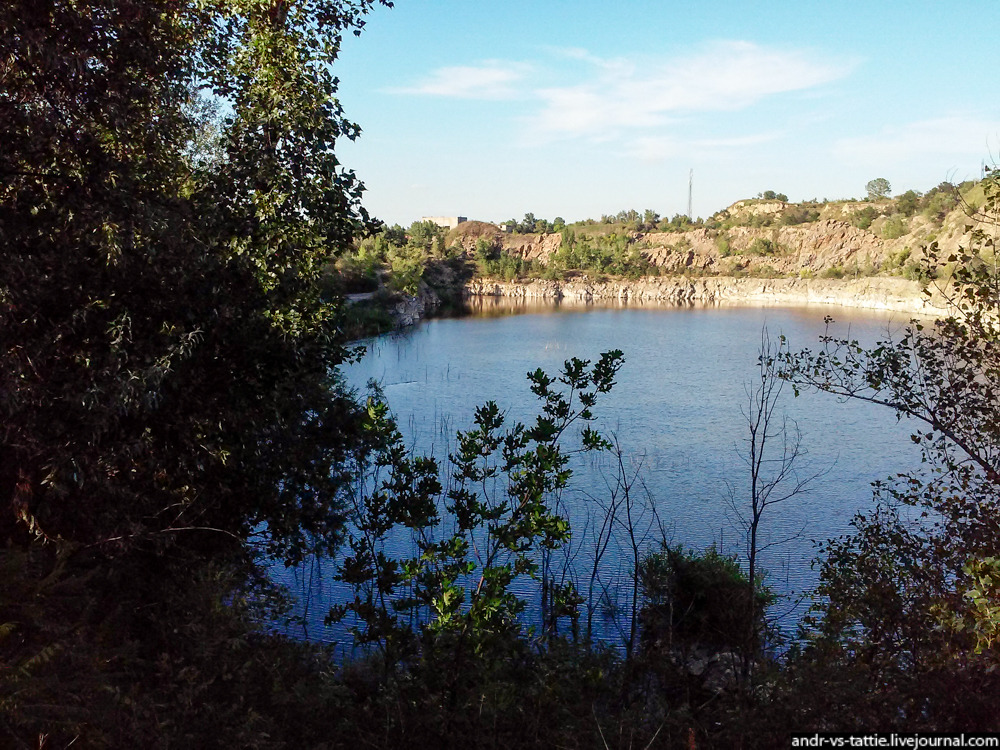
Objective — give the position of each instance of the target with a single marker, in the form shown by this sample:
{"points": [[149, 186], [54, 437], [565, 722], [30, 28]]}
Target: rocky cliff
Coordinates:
{"points": [[892, 294], [827, 246]]}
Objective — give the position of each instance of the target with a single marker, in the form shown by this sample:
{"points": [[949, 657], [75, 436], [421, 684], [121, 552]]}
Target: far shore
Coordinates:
{"points": [[874, 293]]}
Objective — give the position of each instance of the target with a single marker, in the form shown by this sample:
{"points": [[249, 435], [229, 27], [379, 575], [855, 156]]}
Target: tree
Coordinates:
{"points": [[878, 188], [940, 200], [908, 597], [908, 202], [131, 274], [454, 599], [170, 400], [771, 452]]}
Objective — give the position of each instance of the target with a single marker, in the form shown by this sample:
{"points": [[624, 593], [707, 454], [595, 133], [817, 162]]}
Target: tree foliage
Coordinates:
{"points": [[456, 589], [152, 302], [878, 188], [910, 603], [694, 599], [170, 193]]}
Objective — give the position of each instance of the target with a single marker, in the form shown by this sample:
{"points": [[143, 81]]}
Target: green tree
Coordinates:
{"points": [[455, 596], [939, 201], [170, 400], [162, 267], [908, 596], [878, 188], [908, 202]]}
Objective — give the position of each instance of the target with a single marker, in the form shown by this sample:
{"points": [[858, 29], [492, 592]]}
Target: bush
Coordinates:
{"points": [[701, 599], [940, 202], [761, 246], [833, 272], [863, 219], [799, 215], [766, 271], [894, 227], [722, 244], [915, 271], [899, 259]]}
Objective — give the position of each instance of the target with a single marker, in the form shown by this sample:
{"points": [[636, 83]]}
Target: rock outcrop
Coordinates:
{"points": [[827, 246], [893, 294]]}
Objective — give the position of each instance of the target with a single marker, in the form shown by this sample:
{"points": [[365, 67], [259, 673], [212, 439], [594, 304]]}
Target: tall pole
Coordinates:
{"points": [[690, 184]]}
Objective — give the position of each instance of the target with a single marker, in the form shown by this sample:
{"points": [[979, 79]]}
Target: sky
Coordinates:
{"points": [[575, 109]]}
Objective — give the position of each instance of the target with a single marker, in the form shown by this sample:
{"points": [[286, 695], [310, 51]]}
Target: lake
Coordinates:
{"points": [[676, 413]]}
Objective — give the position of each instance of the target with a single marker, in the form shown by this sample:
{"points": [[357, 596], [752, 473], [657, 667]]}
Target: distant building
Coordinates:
{"points": [[448, 222]]}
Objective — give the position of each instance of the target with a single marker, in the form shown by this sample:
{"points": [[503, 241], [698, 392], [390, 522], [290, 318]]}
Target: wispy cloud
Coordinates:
{"points": [[950, 136], [624, 95], [492, 79], [647, 106]]}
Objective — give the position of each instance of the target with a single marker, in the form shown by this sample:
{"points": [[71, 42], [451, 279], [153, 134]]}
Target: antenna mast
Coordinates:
{"points": [[690, 183]]}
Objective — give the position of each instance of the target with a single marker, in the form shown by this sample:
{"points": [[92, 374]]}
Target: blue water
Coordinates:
{"points": [[676, 413]]}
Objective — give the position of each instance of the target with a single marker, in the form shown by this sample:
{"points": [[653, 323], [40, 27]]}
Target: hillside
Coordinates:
{"points": [[764, 239], [830, 251]]}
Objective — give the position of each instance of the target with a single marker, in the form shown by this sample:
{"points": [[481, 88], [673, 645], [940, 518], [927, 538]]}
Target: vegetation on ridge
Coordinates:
{"points": [[765, 237]]}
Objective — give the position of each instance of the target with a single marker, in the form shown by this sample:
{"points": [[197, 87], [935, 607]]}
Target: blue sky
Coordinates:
{"points": [[575, 108]]}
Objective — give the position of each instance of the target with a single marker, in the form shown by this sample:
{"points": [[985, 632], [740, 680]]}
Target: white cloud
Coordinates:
{"points": [[951, 136], [627, 95], [493, 79], [647, 106]]}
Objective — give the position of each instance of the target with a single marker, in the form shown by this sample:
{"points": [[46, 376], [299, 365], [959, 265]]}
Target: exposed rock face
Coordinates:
{"points": [[828, 261], [892, 294], [756, 208], [842, 209], [532, 246], [410, 310], [828, 245]]}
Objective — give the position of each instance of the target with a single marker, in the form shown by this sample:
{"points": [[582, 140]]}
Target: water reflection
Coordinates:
{"points": [[675, 412]]}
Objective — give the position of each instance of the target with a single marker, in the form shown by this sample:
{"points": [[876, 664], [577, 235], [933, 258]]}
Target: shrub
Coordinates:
{"points": [[833, 272], [694, 598], [761, 246], [863, 219], [766, 271], [894, 227], [939, 201], [915, 271], [722, 244], [799, 215]]}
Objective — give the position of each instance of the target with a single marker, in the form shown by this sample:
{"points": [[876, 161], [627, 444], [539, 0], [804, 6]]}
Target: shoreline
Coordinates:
{"points": [[874, 293]]}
